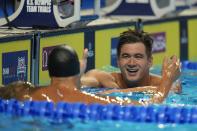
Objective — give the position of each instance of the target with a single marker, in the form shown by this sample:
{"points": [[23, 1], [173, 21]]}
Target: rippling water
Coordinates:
{"points": [[187, 98]]}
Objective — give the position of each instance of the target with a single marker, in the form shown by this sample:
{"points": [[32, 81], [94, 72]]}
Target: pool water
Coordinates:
{"points": [[187, 99], [189, 89], [10, 123]]}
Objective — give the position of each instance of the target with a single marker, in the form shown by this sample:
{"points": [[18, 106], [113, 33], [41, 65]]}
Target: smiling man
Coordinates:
{"points": [[134, 53]]}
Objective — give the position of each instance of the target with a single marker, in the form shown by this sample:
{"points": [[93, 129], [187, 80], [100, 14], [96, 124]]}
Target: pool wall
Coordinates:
{"points": [[17, 58]]}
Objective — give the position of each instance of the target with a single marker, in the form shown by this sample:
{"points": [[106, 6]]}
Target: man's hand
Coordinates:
{"points": [[171, 68], [83, 62]]}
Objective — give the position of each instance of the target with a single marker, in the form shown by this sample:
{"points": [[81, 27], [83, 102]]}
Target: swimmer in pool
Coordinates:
{"points": [[64, 71], [17, 89], [1, 86], [134, 58]]}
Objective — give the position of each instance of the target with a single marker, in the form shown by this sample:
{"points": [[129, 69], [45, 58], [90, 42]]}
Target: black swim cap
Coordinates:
{"points": [[63, 61]]}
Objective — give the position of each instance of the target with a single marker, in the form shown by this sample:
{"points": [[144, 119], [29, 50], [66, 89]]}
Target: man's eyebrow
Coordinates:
{"points": [[139, 54], [124, 54]]}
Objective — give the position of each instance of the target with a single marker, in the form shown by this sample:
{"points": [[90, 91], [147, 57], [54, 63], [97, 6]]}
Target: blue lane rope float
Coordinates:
{"points": [[189, 65], [63, 111]]}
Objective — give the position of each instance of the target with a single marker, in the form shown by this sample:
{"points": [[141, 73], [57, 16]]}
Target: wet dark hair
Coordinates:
{"points": [[63, 61], [133, 36]]}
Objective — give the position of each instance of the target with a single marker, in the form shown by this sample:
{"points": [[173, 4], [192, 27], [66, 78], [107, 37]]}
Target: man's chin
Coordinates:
{"points": [[133, 80], [132, 83]]}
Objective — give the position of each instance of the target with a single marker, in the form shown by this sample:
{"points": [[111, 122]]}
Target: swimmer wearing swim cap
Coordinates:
{"points": [[64, 71], [63, 61]]}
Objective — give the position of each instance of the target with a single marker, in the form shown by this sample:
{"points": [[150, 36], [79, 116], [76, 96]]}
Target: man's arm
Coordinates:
{"points": [[177, 87], [83, 62], [98, 78], [148, 89], [171, 71], [95, 78]]}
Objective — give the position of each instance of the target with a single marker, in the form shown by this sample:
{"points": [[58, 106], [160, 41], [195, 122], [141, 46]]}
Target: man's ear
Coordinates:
{"points": [[150, 61], [117, 61]]}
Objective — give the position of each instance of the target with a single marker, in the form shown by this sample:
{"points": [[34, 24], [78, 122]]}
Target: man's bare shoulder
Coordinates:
{"points": [[155, 79], [98, 78], [38, 91], [96, 72]]}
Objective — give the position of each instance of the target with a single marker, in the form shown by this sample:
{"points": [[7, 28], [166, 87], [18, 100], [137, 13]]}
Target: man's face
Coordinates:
{"points": [[134, 62]]}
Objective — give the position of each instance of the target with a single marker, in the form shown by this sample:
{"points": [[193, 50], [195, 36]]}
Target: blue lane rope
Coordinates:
{"points": [[189, 65], [63, 111]]}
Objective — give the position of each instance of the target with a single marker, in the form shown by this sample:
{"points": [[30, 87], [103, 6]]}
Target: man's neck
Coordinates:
{"points": [[143, 82], [66, 82]]}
